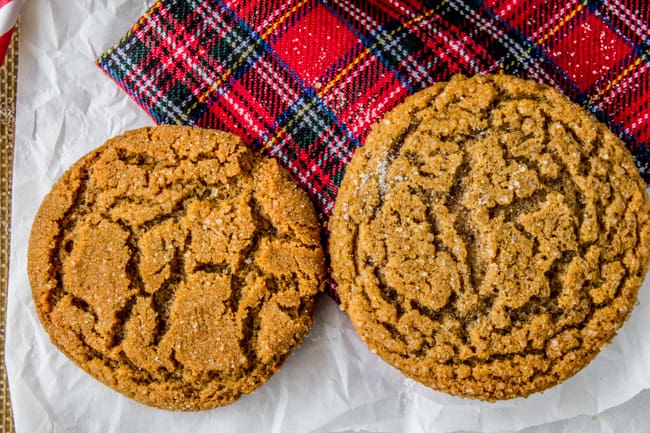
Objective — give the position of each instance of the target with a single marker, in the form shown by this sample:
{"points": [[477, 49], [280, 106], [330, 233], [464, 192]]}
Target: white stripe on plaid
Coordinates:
{"points": [[520, 54], [127, 45], [380, 106], [630, 81], [458, 46], [135, 70], [274, 80], [155, 94], [244, 114], [175, 111], [239, 44], [203, 74], [118, 59], [336, 143], [394, 46], [399, 7], [630, 19], [405, 8], [274, 16], [334, 150], [638, 122], [509, 5], [304, 115], [354, 73], [560, 14], [292, 165], [210, 82]]}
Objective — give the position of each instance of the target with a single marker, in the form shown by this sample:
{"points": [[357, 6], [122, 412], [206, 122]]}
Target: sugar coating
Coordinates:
{"points": [[176, 266], [490, 237]]}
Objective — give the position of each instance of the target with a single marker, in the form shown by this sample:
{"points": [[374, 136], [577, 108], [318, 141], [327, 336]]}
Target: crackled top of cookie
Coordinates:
{"points": [[176, 266], [490, 237]]}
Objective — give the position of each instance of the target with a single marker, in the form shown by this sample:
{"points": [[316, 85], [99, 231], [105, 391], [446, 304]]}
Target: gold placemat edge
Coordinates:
{"points": [[8, 83]]}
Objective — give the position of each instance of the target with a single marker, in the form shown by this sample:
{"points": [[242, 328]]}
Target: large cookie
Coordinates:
{"points": [[490, 237], [176, 266]]}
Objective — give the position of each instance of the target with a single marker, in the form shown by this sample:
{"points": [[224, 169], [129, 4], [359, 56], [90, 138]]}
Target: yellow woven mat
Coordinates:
{"points": [[7, 117]]}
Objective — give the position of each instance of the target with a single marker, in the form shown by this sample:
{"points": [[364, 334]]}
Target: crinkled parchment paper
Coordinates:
{"points": [[66, 107]]}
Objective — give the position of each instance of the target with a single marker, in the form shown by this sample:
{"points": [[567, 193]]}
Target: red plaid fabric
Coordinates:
{"points": [[303, 80]]}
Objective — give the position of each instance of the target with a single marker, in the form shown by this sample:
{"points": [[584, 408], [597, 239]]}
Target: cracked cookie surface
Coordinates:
{"points": [[490, 237], [176, 266]]}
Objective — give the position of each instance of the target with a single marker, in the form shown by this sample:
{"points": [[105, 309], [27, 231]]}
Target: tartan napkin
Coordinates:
{"points": [[303, 80]]}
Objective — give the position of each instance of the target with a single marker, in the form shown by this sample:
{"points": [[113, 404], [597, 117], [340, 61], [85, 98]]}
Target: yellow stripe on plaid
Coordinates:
{"points": [[625, 72], [144, 18], [562, 22], [220, 80], [147, 15], [343, 73], [282, 131], [282, 19], [244, 57], [275, 138], [368, 50]]}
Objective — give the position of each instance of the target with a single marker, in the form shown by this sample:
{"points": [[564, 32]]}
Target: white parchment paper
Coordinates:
{"points": [[66, 107]]}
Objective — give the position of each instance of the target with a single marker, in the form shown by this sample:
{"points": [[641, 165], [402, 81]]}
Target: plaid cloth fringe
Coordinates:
{"points": [[303, 80]]}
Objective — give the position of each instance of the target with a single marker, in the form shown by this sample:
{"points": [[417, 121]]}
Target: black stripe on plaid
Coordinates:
{"points": [[640, 153], [156, 85], [184, 13], [233, 49], [134, 63], [516, 54], [308, 124], [121, 70], [226, 49], [377, 38]]}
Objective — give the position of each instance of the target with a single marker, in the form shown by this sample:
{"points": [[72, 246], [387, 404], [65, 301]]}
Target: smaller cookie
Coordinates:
{"points": [[490, 237], [176, 266]]}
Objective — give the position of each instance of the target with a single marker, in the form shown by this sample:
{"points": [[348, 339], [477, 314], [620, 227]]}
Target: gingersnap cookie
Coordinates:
{"points": [[176, 266], [490, 237]]}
